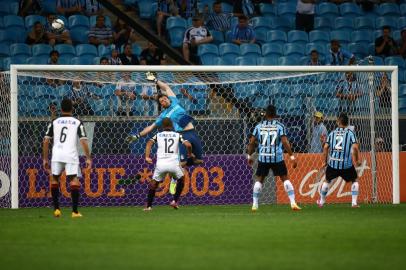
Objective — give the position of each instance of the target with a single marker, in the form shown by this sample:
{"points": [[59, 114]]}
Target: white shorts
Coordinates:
{"points": [[175, 171], [70, 168]]}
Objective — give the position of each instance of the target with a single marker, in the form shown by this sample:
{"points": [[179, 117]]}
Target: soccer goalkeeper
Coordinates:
{"points": [[182, 121]]}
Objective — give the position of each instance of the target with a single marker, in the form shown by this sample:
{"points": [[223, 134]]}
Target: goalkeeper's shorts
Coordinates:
{"points": [[192, 137]]}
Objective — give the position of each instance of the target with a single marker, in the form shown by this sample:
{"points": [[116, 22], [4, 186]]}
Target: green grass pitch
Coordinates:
{"points": [[206, 237]]}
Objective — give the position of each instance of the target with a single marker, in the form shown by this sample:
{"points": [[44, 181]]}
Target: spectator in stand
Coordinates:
{"points": [[166, 8], [149, 96], [217, 20], [122, 34], [125, 93], [55, 37], [104, 61], [305, 15], [92, 7], [194, 36], [314, 59], [402, 43], [242, 32], [348, 92], [187, 8], [69, 7], [385, 45], [37, 34], [53, 60], [29, 7], [127, 57], [152, 56], [80, 95], [115, 58], [384, 93], [338, 56], [100, 33]]}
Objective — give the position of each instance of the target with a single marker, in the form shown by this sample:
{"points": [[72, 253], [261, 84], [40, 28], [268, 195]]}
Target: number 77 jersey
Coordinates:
{"points": [[340, 142], [269, 136]]}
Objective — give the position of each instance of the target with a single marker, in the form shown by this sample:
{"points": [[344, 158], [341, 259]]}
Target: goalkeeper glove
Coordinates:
{"points": [[132, 138], [151, 76]]}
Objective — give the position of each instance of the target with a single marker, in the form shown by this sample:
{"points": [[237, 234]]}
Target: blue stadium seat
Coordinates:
{"points": [[289, 60], [41, 50], [371, 48], [49, 6], [31, 19], [229, 51], [358, 49], [298, 37], [402, 106], [174, 21], [107, 21], [315, 46], [101, 107], [4, 50], [403, 9], [4, 10], [20, 49], [294, 50], [260, 102], [13, 21], [282, 23], [250, 50], [350, 10], [207, 53], [136, 49], [78, 21], [286, 9], [79, 35], [267, 9], [13, 60], [83, 60], [261, 36], [389, 9], [383, 21], [295, 105], [327, 9], [276, 37], [147, 9], [271, 49], [176, 28], [364, 23], [402, 23], [402, 91], [319, 36], [261, 23], [218, 36], [222, 61], [226, 7], [86, 50], [65, 50], [267, 61], [395, 61], [245, 91], [343, 37], [104, 50], [362, 36], [344, 24], [323, 23], [246, 61]]}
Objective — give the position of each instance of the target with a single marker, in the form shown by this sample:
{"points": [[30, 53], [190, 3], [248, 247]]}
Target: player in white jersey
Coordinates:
{"points": [[64, 132], [168, 161]]}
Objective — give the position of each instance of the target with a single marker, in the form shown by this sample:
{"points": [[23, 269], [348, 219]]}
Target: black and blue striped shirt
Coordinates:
{"points": [[269, 136], [340, 142]]}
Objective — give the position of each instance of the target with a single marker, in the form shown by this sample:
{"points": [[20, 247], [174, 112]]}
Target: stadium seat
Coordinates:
{"points": [[147, 9], [282, 23], [295, 105], [218, 37], [402, 91], [350, 10], [298, 37], [289, 60], [286, 9], [402, 105], [246, 61], [107, 21], [271, 49], [229, 51], [13, 60], [364, 23], [293, 50], [13, 21], [86, 50], [402, 23], [174, 21], [41, 50], [344, 24], [263, 23], [384, 21], [4, 50], [276, 37], [315, 46], [358, 49], [389, 9], [226, 7], [319, 36], [260, 102], [176, 28], [49, 6], [207, 53], [327, 9], [395, 61], [31, 19], [403, 9], [363, 36], [83, 60], [267, 9], [250, 50], [101, 107], [226, 61], [65, 50], [136, 49], [344, 37], [79, 35], [323, 24], [64, 60], [267, 60], [261, 36], [20, 49], [78, 21], [104, 50]]}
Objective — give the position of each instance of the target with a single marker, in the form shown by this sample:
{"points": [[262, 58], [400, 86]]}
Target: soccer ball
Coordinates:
{"points": [[58, 25]]}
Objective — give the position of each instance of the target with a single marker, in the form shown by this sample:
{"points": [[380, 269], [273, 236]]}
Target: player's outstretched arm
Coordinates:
{"points": [[151, 76], [86, 150], [148, 147], [144, 132], [45, 151], [288, 148]]}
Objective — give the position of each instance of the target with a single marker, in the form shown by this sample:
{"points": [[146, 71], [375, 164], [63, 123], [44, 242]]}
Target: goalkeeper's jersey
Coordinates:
{"points": [[176, 113], [168, 146]]}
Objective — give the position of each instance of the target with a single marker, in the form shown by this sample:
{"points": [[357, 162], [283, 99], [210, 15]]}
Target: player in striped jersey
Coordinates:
{"points": [[270, 134], [340, 149]]}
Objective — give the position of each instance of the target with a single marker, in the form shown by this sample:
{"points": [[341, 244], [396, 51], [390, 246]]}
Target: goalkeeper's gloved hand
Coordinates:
{"points": [[132, 138], [151, 76]]}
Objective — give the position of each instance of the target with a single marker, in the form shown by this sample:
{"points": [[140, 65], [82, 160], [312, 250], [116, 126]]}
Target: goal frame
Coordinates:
{"points": [[15, 69]]}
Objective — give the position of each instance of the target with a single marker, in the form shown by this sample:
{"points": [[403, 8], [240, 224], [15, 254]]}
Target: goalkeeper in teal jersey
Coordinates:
{"points": [[182, 121]]}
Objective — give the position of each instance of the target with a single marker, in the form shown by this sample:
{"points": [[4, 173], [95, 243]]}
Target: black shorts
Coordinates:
{"points": [[349, 175], [278, 168]]}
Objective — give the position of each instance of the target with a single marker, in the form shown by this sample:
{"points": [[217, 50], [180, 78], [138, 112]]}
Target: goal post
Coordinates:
{"points": [[226, 102]]}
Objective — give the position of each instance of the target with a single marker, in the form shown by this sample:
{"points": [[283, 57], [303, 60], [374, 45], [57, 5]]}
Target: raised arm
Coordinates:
{"points": [[144, 132], [288, 148], [164, 87]]}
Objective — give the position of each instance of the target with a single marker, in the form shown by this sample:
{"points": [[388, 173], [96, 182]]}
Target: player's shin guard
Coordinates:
{"points": [[150, 197], [55, 195], [354, 192], [179, 187], [256, 192], [323, 193], [287, 185], [74, 192]]}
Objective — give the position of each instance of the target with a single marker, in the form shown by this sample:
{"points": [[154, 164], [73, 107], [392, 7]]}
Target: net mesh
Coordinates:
{"points": [[226, 107]]}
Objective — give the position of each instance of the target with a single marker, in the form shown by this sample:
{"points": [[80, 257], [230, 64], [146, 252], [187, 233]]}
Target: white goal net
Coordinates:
{"points": [[226, 103]]}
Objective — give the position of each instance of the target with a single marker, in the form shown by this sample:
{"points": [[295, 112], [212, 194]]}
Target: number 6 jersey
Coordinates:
{"points": [[168, 146], [65, 131]]}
